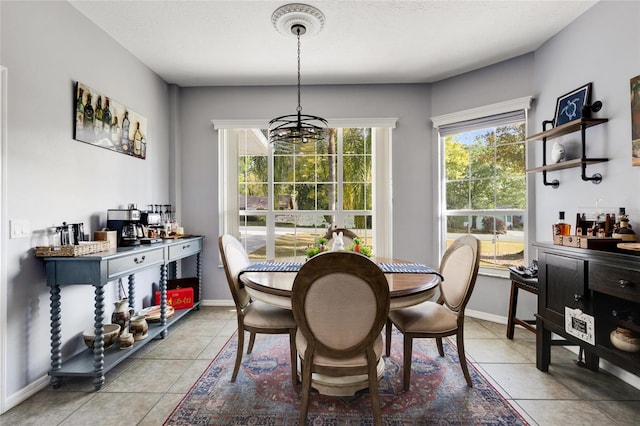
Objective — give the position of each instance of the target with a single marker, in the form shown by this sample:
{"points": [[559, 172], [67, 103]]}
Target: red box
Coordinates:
{"points": [[179, 298]]}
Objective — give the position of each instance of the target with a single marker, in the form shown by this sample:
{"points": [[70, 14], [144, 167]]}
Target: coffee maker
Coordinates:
{"points": [[127, 225]]}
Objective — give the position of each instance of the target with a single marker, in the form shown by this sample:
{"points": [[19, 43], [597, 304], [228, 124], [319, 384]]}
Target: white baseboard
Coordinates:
{"points": [[612, 369], [218, 302], [26, 393]]}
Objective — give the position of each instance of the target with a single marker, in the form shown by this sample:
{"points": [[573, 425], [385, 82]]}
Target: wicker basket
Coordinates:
{"points": [[84, 247]]}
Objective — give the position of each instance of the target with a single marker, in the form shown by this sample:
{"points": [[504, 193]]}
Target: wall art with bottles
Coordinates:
{"points": [[103, 122]]}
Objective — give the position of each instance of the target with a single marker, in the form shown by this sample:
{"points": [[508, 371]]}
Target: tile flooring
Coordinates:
{"points": [[145, 388]]}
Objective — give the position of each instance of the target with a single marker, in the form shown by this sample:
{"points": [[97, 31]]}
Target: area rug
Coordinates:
{"points": [[263, 394]]}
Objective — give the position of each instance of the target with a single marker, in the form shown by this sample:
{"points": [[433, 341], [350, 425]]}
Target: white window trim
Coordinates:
{"points": [[382, 174], [523, 103]]}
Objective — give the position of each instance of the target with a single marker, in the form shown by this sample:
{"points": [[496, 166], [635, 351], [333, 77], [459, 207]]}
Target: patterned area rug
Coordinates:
{"points": [[263, 393]]}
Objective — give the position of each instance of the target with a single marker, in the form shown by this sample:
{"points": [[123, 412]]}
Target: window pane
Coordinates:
{"points": [[458, 195], [482, 162], [305, 197], [356, 196], [361, 225], [483, 194], [501, 237], [510, 159], [356, 141], [283, 197], [511, 193], [457, 160], [326, 197], [356, 168], [283, 168], [253, 236]]}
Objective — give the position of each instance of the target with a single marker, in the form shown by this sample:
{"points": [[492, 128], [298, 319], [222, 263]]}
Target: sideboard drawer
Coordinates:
{"points": [[184, 249], [615, 281], [134, 261]]}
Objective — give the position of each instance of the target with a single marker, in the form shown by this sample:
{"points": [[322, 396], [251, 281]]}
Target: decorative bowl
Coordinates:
{"points": [[110, 333], [625, 340]]}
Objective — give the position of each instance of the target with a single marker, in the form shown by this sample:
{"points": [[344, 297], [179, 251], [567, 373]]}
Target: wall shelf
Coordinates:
{"points": [[565, 129]]}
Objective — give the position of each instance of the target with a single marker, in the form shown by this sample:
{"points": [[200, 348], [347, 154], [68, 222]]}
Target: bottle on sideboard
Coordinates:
{"points": [[561, 227]]}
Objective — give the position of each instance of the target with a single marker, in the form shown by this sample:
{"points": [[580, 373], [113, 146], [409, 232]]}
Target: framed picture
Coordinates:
{"points": [[635, 121], [103, 122], [569, 106]]}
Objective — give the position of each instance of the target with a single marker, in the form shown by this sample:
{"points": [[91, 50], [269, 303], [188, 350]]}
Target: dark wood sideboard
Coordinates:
{"points": [[604, 285]]}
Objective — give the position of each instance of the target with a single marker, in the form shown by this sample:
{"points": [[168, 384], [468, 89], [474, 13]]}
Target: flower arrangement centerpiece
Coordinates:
{"points": [[320, 246]]}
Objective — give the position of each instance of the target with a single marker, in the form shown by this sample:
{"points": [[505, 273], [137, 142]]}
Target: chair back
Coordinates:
{"points": [[340, 302], [234, 259], [459, 267], [347, 236]]}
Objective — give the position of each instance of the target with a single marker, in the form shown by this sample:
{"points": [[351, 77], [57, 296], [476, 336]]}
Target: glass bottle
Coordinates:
{"points": [[97, 123], [137, 140], [88, 114], [561, 227], [106, 118], [125, 132], [79, 110], [115, 134]]}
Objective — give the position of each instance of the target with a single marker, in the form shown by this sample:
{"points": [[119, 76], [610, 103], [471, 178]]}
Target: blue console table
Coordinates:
{"points": [[97, 270]]}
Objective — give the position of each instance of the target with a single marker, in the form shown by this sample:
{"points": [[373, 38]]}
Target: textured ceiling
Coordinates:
{"points": [[232, 42]]}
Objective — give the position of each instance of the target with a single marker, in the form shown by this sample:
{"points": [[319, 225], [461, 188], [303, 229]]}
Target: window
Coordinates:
{"points": [[280, 201], [484, 189]]}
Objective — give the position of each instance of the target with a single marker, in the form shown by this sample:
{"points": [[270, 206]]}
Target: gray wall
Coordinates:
{"points": [[51, 178], [603, 47]]}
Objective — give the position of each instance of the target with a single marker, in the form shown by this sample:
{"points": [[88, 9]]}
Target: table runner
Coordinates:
{"points": [[386, 267]]}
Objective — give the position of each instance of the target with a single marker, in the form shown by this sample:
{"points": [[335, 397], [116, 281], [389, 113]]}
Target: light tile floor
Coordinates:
{"points": [[145, 388]]}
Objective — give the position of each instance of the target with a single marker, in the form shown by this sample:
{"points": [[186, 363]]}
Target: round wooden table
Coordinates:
{"points": [[406, 289]]}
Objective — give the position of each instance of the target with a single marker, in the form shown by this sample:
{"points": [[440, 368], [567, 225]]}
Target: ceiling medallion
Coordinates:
{"points": [[289, 15], [288, 131]]}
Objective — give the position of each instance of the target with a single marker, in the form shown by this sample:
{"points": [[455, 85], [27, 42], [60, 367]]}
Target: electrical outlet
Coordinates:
{"points": [[19, 228]]}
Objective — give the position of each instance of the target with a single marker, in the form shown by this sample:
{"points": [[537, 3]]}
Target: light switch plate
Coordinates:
{"points": [[19, 228]]}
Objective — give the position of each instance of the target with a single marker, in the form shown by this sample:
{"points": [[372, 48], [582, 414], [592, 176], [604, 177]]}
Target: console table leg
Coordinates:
{"points": [[543, 346], [199, 275], [56, 334], [163, 300], [98, 346], [132, 291]]}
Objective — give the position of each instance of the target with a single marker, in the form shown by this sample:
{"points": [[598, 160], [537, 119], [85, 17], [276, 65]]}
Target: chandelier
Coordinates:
{"points": [[288, 131]]}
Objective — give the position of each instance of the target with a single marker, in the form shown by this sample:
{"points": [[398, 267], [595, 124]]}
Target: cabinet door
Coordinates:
{"points": [[562, 283]]}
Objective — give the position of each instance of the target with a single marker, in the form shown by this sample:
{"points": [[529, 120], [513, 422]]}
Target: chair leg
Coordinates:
{"points": [[387, 340], [252, 340], [462, 357], [513, 303], [306, 389], [439, 345], [408, 349], [373, 388], [236, 367], [294, 357]]}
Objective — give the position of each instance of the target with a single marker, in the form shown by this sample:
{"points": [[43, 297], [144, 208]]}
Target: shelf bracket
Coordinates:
{"points": [[596, 178], [554, 183]]}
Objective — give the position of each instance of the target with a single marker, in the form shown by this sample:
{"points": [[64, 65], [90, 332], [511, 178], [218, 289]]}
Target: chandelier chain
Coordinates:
{"points": [[299, 80]]}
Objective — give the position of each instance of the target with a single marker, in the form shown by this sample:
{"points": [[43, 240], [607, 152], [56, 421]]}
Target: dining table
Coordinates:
{"points": [[409, 284]]}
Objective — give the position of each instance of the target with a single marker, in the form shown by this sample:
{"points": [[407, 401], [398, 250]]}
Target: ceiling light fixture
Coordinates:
{"points": [[288, 131]]}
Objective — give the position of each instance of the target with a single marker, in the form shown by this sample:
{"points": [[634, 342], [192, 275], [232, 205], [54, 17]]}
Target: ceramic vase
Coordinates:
{"points": [[122, 314], [138, 327], [557, 152]]}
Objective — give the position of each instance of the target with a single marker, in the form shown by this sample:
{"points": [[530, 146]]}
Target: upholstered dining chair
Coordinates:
{"points": [[459, 267], [253, 316], [347, 236], [340, 301]]}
